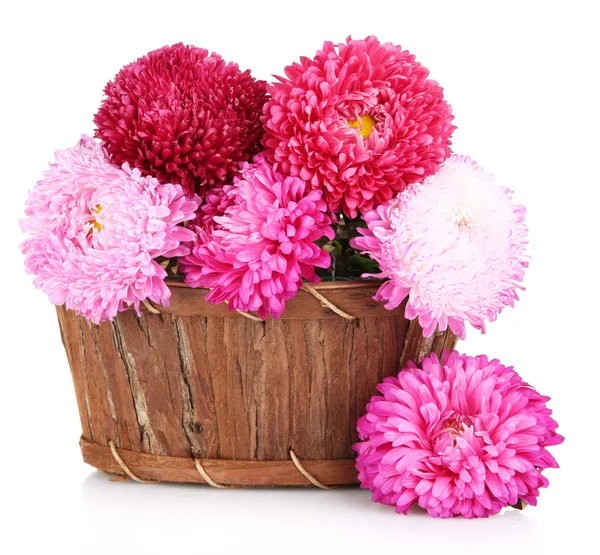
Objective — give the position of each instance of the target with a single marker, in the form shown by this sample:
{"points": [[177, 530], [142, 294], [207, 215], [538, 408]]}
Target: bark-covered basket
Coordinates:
{"points": [[198, 393]]}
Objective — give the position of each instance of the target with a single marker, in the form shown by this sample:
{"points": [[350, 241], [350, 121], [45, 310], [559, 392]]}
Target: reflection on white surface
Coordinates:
{"points": [[199, 519]]}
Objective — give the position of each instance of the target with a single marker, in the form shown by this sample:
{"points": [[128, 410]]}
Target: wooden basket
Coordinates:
{"points": [[201, 394]]}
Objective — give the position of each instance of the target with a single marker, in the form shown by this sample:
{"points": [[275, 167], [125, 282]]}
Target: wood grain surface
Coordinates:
{"points": [[237, 473], [201, 381]]}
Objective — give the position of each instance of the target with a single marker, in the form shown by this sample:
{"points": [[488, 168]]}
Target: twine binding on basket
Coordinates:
{"points": [[305, 473], [150, 307], [325, 302], [305, 287], [205, 476], [246, 314], [125, 468]]}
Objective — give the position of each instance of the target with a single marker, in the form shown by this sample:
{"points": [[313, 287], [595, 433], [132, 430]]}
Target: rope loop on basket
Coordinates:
{"points": [[294, 458], [125, 468], [246, 314], [305, 472], [149, 306], [312, 291], [305, 286], [205, 476]]}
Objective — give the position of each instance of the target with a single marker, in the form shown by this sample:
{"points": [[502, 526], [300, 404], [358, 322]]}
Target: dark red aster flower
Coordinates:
{"points": [[182, 116], [361, 120]]}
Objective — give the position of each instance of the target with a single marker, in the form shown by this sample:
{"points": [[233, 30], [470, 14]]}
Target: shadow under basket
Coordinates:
{"points": [[198, 393]]}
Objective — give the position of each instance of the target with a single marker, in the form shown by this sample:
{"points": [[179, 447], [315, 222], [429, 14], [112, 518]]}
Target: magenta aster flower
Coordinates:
{"points": [[464, 437], [182, 116], [454, 245], [214, 204], [360, 121], [256, 255], [96, 229]]}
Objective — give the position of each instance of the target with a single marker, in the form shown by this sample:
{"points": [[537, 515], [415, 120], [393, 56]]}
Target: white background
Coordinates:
{"points": [[523, 82]]}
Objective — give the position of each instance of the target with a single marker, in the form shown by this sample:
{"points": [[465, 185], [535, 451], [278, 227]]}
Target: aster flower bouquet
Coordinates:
{"points": [[227, 256]]}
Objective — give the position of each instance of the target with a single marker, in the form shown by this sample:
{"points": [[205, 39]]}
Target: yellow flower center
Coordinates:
{"points": [[96, 211], [365, 124]]}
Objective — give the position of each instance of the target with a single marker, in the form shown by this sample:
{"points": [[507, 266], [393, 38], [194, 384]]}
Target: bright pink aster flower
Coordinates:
{"points": [[95, 230], [464, 437], [182, 116], [454, 244], [256, 255], [360, 121]]}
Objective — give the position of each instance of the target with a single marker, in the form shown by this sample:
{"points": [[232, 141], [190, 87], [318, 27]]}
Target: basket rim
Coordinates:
{"points": [[354, 297], [321, 286]]}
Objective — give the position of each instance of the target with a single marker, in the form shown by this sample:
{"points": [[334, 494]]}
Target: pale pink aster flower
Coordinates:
{"points": [[454, 245], [257, 254], [464, 437], [361, 120], [95, 230]]}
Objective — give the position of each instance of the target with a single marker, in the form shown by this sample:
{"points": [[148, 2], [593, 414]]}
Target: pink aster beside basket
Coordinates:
{"points": [[241, 270]]}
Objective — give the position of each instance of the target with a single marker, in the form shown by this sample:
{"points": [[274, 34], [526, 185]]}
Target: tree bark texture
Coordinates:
{"points": [[200, 381]]}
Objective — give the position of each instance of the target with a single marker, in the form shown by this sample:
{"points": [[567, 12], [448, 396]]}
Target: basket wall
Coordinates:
{"points": [[200, 381]]}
